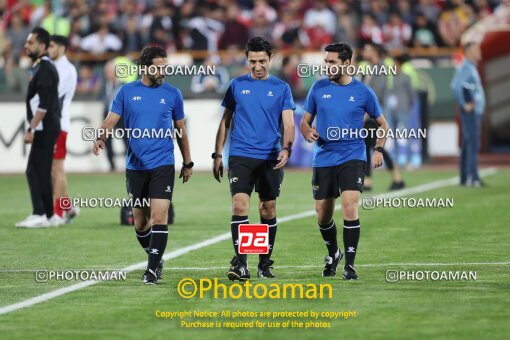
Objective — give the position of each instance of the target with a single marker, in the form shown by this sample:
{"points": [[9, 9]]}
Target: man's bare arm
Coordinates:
{"points": [[383, 125], [308, 132], [289, 131], [288, 137], [183, 141], [221, 137], [37, 118], [377, 157], [108, 124]]}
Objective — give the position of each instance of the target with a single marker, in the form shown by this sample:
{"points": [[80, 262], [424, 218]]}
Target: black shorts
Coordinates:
{"points": [[154, 183], [244, 173], [329, 182]]}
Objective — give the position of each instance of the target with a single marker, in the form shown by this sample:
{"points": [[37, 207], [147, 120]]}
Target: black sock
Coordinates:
{"points": [[234, 228], [144, 237], [351, 238], [328, 232], [273, 226], [159, 237]]}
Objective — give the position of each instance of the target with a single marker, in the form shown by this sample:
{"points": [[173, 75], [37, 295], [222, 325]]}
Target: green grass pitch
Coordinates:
{"points": [[473, 235]]}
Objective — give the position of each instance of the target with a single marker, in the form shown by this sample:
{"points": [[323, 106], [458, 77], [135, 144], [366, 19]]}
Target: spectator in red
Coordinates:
{"points": [[236, 32], [370, 32], [397, 33], [319, 37], [320, 17]]}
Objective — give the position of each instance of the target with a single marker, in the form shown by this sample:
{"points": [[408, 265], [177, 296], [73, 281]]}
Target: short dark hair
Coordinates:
{"points": [[344, 50], [149, 53], [259, 44], [42, 36], [60, 40]]}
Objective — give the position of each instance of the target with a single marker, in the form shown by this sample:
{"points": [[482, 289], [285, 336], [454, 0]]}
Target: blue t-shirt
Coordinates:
{"points": [[339, 111], [257, 120], [149, 109]]}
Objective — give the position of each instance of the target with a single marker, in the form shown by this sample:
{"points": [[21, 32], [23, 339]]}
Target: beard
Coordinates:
{"points": [[34, 55], [156, 80], [335, 77], [335, 73]]}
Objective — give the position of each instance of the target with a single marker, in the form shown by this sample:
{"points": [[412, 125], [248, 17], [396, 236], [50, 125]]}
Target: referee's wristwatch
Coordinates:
{"points": [[289, 150], [216, 155], [30, 130], [189, 165], [379, 148]]}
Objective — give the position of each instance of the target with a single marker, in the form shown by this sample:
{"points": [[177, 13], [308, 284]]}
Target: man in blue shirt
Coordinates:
{"points": [[338, 104], [255, 105], [468, 93], [148, 107]]}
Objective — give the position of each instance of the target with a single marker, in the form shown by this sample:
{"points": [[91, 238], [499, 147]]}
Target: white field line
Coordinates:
{"points": [[178, 252]]}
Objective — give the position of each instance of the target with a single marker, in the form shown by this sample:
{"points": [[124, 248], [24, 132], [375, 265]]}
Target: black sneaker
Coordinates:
{"points": [[397, 185], [150, 277], [238, 271], [264, 269], [159, 269], [331, 264], [350, 273]]}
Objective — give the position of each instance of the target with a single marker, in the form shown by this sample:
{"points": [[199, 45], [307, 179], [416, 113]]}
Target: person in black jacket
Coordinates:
{"points": [[43, 116]]}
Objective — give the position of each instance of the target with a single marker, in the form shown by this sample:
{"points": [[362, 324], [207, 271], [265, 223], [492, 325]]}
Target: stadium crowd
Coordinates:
{"points": [[125, 26], [216, 31]]}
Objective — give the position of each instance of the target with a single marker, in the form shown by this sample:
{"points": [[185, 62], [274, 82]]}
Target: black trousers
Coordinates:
{"points": [[39, 171], [109, 145]]}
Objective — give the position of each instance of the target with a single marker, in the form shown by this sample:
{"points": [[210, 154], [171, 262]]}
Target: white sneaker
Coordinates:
{"points": [[56, 220], [71, 213], [31, 217], [34, 221]]}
